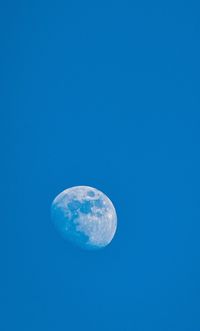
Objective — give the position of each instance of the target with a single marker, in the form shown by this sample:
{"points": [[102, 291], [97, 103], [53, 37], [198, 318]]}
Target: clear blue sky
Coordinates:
{"points": [[105, 94]]}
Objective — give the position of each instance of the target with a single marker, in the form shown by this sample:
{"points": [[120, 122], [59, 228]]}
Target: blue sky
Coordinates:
{"points": [[104, 94]]}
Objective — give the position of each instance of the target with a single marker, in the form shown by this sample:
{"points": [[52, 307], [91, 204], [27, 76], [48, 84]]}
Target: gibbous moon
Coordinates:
{"points": [[85, 216]]}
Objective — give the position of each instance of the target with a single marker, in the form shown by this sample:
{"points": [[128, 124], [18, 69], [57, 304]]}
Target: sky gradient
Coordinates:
{"points": [[104, 94]]}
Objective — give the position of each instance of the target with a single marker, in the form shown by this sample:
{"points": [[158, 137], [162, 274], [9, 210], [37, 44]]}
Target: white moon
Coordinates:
{"points": [[85, 216]]}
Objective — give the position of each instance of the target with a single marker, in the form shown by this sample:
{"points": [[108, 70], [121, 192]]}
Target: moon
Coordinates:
{"points": [[84, 216]]}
